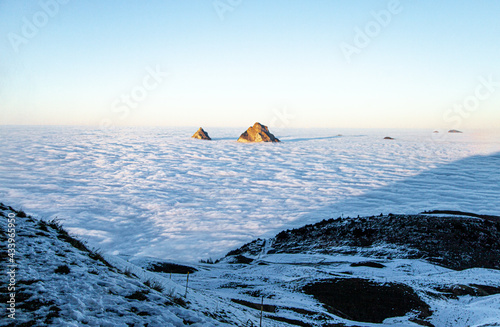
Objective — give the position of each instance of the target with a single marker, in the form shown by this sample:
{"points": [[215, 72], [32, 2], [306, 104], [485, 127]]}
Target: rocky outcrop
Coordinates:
{"points": [[201, 134], [454, 131], [453, 239], [257, 133], [388, 138]]}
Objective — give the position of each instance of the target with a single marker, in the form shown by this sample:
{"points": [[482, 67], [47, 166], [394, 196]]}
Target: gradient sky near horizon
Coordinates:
{"points": [[231, 63]]}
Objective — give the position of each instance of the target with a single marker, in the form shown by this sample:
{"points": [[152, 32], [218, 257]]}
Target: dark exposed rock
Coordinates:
{"points": [[166, 267], [367, 301], [257, 133], [258, 306], [454, 291], [388, 138], [242, 259], [370, 264], [454, 131], [201, 134]]}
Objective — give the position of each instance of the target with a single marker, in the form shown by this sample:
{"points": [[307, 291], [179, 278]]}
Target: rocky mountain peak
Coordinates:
{"points": [[257, 133]]}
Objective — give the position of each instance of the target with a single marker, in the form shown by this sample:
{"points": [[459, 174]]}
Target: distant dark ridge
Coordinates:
{"points": [[462, 213], [456, 242]]}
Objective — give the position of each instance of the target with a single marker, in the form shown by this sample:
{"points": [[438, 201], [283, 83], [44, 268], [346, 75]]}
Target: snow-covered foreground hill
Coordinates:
{"points": [[57, 280], [366, 271], [156, 192]]}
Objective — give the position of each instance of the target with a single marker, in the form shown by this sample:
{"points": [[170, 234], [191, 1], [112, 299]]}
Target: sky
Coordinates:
{"points": [[229, 63]]}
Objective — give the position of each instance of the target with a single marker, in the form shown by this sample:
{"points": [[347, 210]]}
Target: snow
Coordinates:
{"points": [[91, 293], [156, 192], [286, 273], [94, 294]]}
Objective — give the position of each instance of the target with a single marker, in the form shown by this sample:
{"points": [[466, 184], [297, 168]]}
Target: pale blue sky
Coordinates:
{"points": [[278, 62]]}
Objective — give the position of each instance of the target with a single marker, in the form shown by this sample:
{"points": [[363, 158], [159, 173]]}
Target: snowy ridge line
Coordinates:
{"points": [[462, 213]]}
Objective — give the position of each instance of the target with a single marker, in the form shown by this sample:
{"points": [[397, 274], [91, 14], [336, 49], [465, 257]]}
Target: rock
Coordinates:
{"points": [[454, 131], [436, 132], [257, 133], [201, 134], [388, 138]]}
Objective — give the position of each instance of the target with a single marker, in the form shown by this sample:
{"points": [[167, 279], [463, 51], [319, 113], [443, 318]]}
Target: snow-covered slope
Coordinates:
{"points": [[341, 272], [56, 280]]}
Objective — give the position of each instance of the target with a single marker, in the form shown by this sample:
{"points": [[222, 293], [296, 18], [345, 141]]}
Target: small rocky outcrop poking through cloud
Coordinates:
{"points": [[257, 133], [201, 134]]}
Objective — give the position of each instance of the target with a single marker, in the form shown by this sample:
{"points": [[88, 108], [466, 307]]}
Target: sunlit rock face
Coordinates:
{"points": [[201, 134], [257, 133]]}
